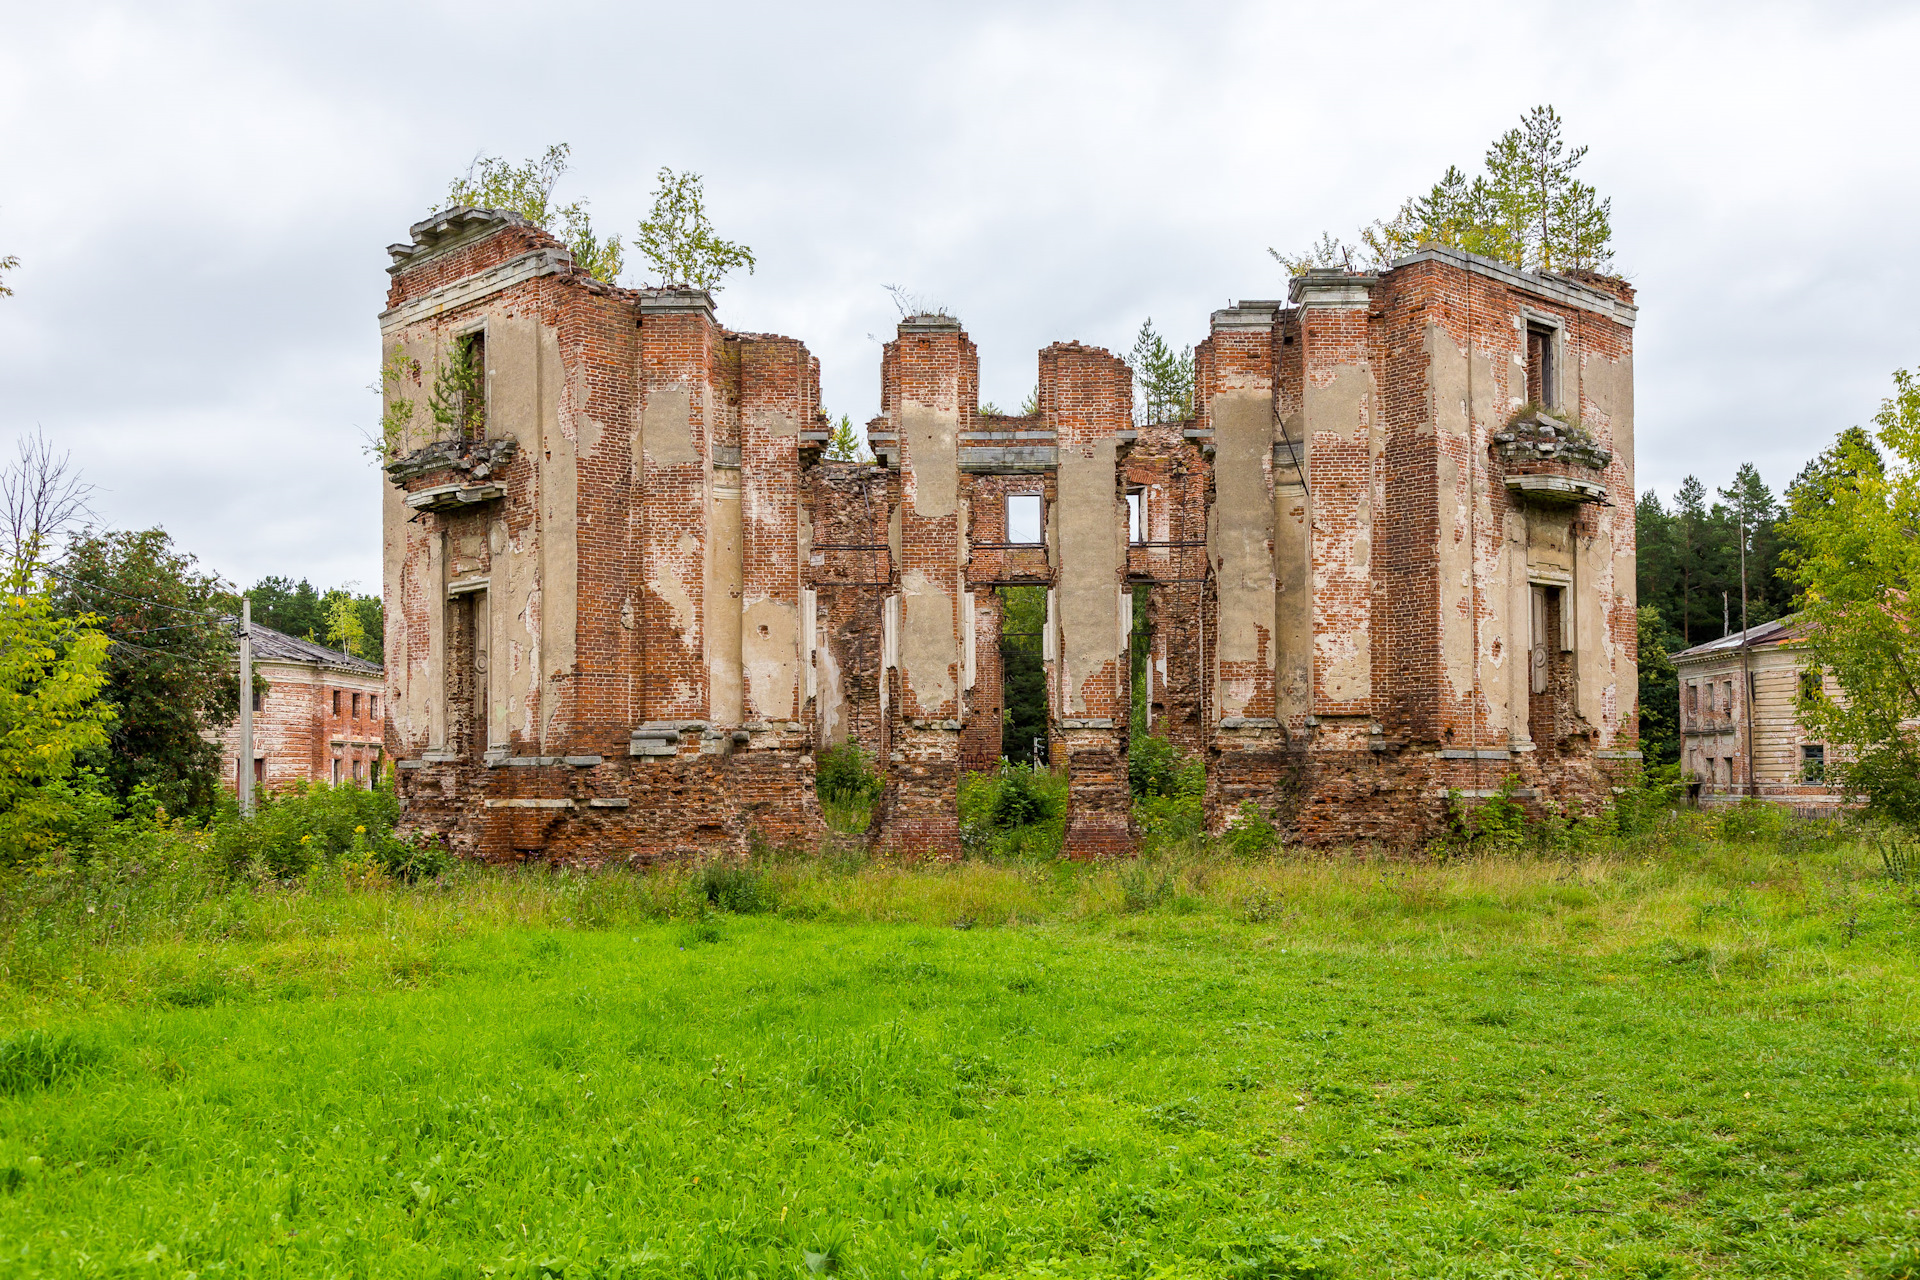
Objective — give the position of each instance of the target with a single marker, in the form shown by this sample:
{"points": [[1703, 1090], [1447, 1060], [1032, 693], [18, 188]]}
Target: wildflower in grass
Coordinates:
{"points": [[360, 830]]}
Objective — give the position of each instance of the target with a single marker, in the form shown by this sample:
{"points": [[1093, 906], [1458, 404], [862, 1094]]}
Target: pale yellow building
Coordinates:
{"points": [[1740, 731]]}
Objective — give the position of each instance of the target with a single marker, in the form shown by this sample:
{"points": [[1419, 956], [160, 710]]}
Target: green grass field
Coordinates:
{"points": [[1609, 1065]]}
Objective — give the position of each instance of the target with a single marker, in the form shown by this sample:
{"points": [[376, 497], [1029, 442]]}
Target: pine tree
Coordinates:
{"points": [[1528, 209], [1164, 379]]}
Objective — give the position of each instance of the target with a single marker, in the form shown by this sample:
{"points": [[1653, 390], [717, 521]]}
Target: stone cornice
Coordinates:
{"points": [[1569, 293], [471, 289]]}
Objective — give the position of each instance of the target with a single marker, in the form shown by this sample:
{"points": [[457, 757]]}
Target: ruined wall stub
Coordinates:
{"points": [[1086, 397], [930, 377]]}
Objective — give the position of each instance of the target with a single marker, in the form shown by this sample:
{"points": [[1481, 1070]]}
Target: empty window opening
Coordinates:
{"points": [[1140, 656], [1137, 516], [336, 771], [1813, 762], [1549, 670], [336, 702], [1542, 383], [356, 706], [259, 699], [1810, 686], [1026, 518], [465, 395], [1693, 697], [373, 706], [1023, 674]]}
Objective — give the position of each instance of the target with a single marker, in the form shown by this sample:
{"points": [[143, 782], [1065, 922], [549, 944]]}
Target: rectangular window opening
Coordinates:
{"points": [[336, 702], [1136, 516], [356, 706], [1541, 383], [1813, 762], [1026, 518], [470, 374]]}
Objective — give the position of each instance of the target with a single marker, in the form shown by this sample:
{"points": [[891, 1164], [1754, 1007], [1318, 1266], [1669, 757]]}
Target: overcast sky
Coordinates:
{"points": [[200, 196]]}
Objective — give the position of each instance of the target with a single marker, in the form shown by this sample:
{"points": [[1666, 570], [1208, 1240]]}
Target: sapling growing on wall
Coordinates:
{"points": [[677, 238], [527, 189], [1527, 209]]}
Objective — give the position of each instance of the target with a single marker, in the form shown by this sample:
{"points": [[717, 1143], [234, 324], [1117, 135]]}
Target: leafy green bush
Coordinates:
{"points": [[1641, 808], [1890, 780], [1017, 802], [1169, 791], [1014, 812], [1252, 832], [1498, 821], [739, 887], [846, 775], [296, 830]]}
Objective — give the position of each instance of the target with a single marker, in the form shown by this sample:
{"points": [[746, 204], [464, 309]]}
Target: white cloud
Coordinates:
{"points": [[200, 195]]}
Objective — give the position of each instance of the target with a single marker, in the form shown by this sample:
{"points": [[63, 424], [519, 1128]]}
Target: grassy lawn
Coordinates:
{"points": [[1614, 1065]]}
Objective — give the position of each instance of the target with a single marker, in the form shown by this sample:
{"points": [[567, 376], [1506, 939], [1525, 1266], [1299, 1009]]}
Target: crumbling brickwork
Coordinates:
{"points": [[1389, 555]]}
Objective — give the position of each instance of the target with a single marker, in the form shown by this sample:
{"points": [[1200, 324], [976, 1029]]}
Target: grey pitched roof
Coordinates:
{"points": [[277, 646], [1779, 631]]}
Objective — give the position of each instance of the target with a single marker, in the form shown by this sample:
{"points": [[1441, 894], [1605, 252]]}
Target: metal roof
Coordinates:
{"points": [[1779, 631], [277, 646]]}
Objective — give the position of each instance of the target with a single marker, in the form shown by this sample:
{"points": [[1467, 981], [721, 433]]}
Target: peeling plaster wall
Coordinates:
{"points": [[1242, 535], [407, 591], [562, 428], [1607, 675], [1466, 515], [1338, 412], [929, 612], [723, 588], [929, 652], [1091, 523]]}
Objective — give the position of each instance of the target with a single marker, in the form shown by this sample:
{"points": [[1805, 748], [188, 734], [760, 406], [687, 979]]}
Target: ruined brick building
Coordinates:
{"points": [[317, 720], [1390, 554]]}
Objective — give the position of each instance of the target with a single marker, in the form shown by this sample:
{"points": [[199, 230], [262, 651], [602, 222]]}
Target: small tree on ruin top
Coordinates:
{"points": [[527, 189], [1526, 209], [677, 239]]}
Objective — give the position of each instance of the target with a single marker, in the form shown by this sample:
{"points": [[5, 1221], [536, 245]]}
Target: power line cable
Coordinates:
{"points": [[227, 619]]}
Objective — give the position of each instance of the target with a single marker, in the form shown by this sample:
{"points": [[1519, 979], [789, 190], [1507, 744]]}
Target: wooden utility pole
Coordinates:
{"points": [[245, 780], [1746, 659]]}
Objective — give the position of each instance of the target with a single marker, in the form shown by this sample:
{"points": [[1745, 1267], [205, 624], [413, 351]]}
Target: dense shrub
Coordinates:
{"points": [[740, 887], [1017, 801], [1890, 780], [1169, 791], [846, 775], [306, 826]]}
